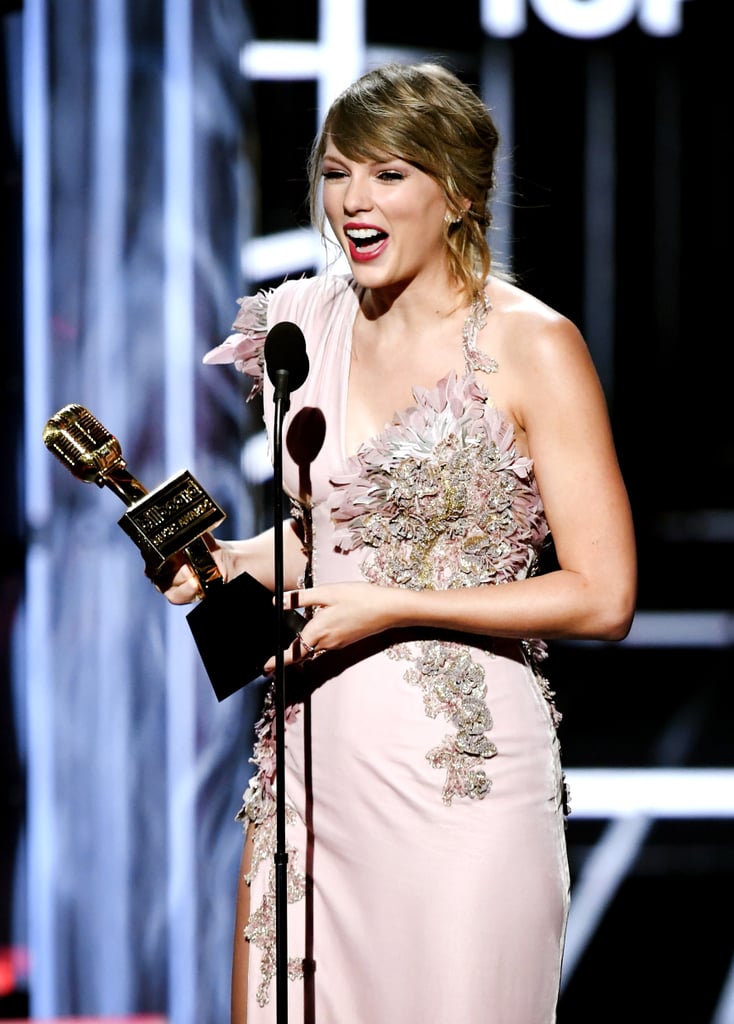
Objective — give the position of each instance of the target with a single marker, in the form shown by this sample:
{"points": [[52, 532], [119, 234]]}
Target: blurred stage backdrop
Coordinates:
{"points": [[153, 171]]}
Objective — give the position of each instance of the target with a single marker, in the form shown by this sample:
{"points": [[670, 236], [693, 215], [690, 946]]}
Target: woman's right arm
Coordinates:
{"points": [[233, 557]]}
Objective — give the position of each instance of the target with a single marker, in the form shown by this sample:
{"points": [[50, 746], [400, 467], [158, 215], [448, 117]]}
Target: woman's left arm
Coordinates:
{"points": [[562, 410]]}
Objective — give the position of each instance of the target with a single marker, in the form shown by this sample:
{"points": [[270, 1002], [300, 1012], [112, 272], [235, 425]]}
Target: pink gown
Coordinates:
{"points": [[428, 877]]}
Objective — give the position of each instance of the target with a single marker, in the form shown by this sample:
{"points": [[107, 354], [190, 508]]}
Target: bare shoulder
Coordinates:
{"points": [[522, 327], [521, 318], [535, 345]]}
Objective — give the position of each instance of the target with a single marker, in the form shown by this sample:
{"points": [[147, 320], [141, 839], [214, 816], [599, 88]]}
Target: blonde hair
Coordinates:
{"points": [[424, 114]]}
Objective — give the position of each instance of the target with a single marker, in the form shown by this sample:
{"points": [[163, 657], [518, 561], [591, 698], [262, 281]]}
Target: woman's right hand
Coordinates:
{"points": [[177, 581]]}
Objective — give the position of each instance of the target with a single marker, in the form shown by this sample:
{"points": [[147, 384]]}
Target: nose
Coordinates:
{"points": [[357, 195]]}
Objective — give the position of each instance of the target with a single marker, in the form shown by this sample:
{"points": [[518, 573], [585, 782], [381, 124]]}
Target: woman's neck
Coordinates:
{"points": [[413, 304]]}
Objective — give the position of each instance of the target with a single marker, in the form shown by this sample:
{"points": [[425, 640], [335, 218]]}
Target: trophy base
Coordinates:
{"points": [[234, 628]]}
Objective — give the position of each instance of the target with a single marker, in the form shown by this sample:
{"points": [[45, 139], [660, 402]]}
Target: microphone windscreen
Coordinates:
{"points": [[285, 349], [81, 443]]}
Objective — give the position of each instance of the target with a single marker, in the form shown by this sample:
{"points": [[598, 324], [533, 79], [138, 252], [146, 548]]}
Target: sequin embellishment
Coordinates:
{"points": [[453, 685]]}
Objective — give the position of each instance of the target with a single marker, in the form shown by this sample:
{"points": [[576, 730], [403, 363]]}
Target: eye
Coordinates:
{"points": [[333, 175], [390, 176]]}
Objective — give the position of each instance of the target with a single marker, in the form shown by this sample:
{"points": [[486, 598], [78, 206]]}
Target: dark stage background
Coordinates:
{"points": [[120, 774]]}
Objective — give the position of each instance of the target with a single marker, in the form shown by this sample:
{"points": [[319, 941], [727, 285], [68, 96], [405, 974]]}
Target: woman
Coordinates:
{"points": [[449, 425]]}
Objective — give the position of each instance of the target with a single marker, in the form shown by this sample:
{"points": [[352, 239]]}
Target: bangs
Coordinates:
{"points": [[372, 135]]}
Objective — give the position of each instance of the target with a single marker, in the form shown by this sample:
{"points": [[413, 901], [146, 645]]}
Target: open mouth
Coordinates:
{"points": [[365, 238]]}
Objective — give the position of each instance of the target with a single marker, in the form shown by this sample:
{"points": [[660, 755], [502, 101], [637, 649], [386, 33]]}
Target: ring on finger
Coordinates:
{"points": [[310, 651]]}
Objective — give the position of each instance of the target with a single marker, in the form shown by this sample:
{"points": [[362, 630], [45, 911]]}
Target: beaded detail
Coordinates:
{"points": [[453, 685], [259, 808], [475, 321], [261, 927]]}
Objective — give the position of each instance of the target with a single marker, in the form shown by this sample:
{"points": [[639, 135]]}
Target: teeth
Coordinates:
{"points": [[362, 233]]}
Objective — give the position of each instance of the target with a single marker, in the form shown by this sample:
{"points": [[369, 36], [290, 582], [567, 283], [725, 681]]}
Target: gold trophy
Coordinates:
{"points": [[168, 522]]}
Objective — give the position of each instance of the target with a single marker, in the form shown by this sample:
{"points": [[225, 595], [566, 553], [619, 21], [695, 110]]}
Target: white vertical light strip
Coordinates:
{"points": [[724, 1013], [107, 320], [339, 57], [106, 317], [599, 207], [343, 58], [178, 101], [342, 44], [35, 617], [36, 236], [495, 83]]}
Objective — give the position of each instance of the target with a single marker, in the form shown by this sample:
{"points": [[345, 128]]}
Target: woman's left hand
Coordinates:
{"points": [[343, 614]]}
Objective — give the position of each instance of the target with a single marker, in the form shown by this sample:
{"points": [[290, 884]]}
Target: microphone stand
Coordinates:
{"points": [[282, 404]]}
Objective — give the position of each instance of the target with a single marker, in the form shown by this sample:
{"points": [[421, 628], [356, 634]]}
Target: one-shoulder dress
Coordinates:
{"points": [[428, 877]]}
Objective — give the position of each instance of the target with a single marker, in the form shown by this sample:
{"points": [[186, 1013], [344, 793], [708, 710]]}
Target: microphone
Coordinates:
{"points": [[170, 519], [285, 350]]}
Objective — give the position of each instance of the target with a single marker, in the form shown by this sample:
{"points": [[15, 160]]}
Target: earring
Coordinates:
{"points": [[453, 222]]}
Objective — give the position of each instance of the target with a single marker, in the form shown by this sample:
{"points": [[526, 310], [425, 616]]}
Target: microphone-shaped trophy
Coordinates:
{"points": [[171, 520]]}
